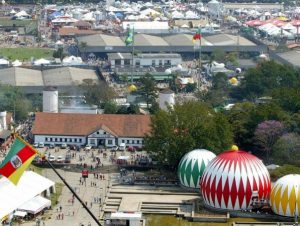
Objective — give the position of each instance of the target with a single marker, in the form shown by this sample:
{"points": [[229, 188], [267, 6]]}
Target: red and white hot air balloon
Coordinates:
{"points": [[234, 179]]}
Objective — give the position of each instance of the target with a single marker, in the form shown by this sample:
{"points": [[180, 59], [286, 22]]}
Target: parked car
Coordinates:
{"points": [[64, 146], [60, 159], [41, 145], [122, 147], [51, 158], [36, 145], [88, 147], [114, 148], [68, 158], [52, 145]]}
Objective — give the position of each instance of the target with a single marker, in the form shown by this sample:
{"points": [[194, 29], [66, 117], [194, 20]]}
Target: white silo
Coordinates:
{"points": [[215, 8], [166, 98], [50, 100], [3, 124]]}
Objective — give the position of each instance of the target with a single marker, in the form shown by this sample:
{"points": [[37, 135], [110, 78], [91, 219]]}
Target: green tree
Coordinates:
{"points": [[97, 93], [13, 99], [287, 149], [287, 98], [110, 107], [59, 53], [219, 92], [218, 55], [184, 128], [148, 89]]}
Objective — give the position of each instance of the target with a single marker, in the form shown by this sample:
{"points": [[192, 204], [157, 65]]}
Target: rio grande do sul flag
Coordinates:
{"points": [[17, 160]]}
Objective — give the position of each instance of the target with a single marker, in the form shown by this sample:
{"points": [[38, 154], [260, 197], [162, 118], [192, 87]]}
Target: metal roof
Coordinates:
{"points": [[17, 76]]}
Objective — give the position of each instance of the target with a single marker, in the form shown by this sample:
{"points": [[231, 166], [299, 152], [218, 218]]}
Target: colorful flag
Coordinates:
{"points": [[197, 36], [130, 37], [17, 160]]}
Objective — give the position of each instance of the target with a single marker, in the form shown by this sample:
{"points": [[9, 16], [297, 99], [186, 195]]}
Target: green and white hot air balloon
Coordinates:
{"points": [[192, 165]]}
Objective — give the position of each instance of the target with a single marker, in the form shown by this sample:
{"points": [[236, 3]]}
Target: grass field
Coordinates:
{"points": [[9, 22], [25, 53]]}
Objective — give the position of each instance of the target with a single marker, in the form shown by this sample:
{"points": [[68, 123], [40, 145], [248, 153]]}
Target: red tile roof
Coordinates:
{"points": [[85, 124], [67, 31]]}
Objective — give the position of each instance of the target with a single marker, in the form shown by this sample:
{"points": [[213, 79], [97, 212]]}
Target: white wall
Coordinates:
{"points": [[132, 141], [42, 138]]}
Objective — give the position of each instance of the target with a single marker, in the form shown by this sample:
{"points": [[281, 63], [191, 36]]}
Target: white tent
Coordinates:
{"points": [[13, 196], [41, 61], [12, 12], [35, 205], [72, 60], [177, 15], [150, 12], [21, 14], [16, 63], [20, 213], [4, 62], [191, 15]]}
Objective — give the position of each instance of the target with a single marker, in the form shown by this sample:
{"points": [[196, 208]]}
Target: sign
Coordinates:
{"points": [[109, 48], [85, 173]]}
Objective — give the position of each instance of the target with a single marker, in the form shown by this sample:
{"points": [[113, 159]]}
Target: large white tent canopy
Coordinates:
{"points": [[13, 196], [35, 205]]}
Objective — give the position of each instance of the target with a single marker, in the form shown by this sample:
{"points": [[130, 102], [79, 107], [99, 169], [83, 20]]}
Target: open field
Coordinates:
{"points": [[25, 53], [8, 22]]}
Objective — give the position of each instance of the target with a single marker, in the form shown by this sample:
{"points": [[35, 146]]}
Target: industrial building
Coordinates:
{"points": [[101, 44], [93, 129], [121, 60], [66, 79]]}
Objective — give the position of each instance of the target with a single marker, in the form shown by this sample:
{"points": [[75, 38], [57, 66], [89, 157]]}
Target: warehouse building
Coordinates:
{"points": [[66, 79], [101, 44]]}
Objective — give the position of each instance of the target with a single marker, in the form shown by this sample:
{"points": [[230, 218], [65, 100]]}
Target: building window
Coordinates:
{"points": [[123, 141], [55, 139], [132, 141], [160, 62], [153, 63], [50, 138], [60, 139], [104, 132], [167, 62], [98, 132], [109, 141], [80, 140], [128, 141], [75, 140], [138, 141], [137, 63], [127, 62], [117, 62], [46, 138]]}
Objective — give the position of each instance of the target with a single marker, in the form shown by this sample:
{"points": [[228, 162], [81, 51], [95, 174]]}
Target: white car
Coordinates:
{"points": [[88, 147], [41, 144], [64, 146], [60, 159], [51, 158], [36, 145]]}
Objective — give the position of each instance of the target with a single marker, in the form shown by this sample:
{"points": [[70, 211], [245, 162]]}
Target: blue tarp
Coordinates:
{"points": [[55, 14]]}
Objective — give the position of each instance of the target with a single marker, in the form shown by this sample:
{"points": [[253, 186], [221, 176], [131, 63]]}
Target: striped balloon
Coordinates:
{"points": [[285, 196], [192, 165], [233, 178]]}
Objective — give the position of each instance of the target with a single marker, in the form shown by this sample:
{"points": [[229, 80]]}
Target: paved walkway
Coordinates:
{"points": [[74, 214]]}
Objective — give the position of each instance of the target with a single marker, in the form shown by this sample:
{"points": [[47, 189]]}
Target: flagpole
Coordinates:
{"points": [[132, 64], [199, 76], [63, 180]]}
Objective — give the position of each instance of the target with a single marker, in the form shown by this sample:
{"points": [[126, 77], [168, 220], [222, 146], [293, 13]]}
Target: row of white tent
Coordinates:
{"points": [[287, 30], [67, 61]]}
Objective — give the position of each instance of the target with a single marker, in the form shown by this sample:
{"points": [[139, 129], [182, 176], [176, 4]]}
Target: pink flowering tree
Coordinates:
{"points": [[266, 135]]}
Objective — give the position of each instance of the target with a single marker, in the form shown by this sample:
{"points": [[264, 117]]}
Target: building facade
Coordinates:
{"points": [[105, 130]]}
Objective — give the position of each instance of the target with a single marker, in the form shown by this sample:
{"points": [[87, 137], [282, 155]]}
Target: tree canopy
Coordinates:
{"points": [[188, 126]]}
